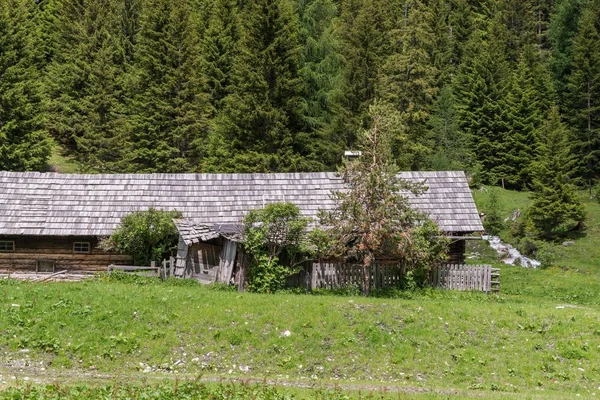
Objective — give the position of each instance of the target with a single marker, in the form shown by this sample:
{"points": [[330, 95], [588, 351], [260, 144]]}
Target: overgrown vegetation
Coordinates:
{"points": [[276, 241], [145, 235]]}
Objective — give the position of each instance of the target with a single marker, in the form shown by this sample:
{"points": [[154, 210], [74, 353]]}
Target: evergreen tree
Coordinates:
{"points": [[583, 94], [363, 25], [169, 105], [373, 219], [129, 22], [556, 208], [262, 114], [450, 150], [321, 73], [24, 145], [481, 86], [84, 81], [408, 81], [47, 37], [523, 117], [219, 48], [521, 19], [443, 49], [561, 31]]}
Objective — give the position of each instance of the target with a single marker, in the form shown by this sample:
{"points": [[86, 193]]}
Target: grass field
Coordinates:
{"points": [[445, 341], [134, 337]]}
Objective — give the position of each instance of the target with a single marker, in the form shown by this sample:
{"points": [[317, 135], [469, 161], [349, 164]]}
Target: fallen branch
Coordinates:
{"points": [[51, 276]]}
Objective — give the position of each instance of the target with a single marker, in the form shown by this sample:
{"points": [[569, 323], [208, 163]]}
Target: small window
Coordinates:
{"points": [[7, 245], [45, 265], [81, 247]]}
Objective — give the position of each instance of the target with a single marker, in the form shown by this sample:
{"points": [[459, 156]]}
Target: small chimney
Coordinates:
{"points": [[352, 154]]}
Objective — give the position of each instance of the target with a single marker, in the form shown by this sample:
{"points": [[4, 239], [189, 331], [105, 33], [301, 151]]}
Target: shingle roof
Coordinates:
{"points": [[193, 232], [33, 203]]}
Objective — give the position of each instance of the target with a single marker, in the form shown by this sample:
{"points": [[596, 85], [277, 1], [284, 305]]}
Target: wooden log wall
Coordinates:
{"points": [[29, 249]]}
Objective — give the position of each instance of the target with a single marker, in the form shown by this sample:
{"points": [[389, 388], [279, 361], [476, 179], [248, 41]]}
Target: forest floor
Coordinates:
{"points": [[539, 338]]}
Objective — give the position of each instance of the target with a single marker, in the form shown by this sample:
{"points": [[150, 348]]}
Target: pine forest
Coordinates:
{"points": [[493, 87]]}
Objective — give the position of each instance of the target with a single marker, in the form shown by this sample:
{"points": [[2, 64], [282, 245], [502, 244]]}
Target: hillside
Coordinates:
{"points": [[575, 271]]}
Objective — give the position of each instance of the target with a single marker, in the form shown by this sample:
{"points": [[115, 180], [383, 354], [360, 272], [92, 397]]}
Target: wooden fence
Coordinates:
{"points": [[164, 271], [328, 275], [466, 277]]}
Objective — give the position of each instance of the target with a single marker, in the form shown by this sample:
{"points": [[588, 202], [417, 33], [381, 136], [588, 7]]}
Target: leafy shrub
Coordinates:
{"points": [[528, 246], [546, 255], [144, 235], [276, 241]]}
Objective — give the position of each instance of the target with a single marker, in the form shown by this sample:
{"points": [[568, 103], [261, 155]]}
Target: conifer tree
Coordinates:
{"points": [[408, 81], [523, 117], [481, 87], [363, 25], [583, 94], [556, 209], [169, 105], [450, 150], [85, 106], [262, 114], [47, 38], [129, 19], [521, 19], [24, 145], [321, 73], [372, 216], [219, 48], [443, 47], [561, 31]]}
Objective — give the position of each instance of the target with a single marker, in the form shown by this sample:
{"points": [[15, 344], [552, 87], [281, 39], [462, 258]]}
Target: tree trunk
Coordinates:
{"points": [[366, 272]]}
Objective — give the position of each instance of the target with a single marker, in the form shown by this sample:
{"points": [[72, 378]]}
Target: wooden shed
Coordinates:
{"points": [[53, 221]]}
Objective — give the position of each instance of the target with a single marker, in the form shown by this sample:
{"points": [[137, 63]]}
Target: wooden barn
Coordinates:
{"points": [[51, 221]]}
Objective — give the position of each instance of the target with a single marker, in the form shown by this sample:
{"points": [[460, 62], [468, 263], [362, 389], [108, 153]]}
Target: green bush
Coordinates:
{"points": [[275, 240], [144, 235]]}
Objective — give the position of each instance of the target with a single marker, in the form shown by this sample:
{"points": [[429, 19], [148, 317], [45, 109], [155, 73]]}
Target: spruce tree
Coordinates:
{"points": [[24, 145], [561, 31], [450, 150], [408, 81], [363, 26], [219, 48], [321, 71], [84, 84], [480, 87], [556, 209], [169, 104], [523, 117], [583, 94], [261, 118]]}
